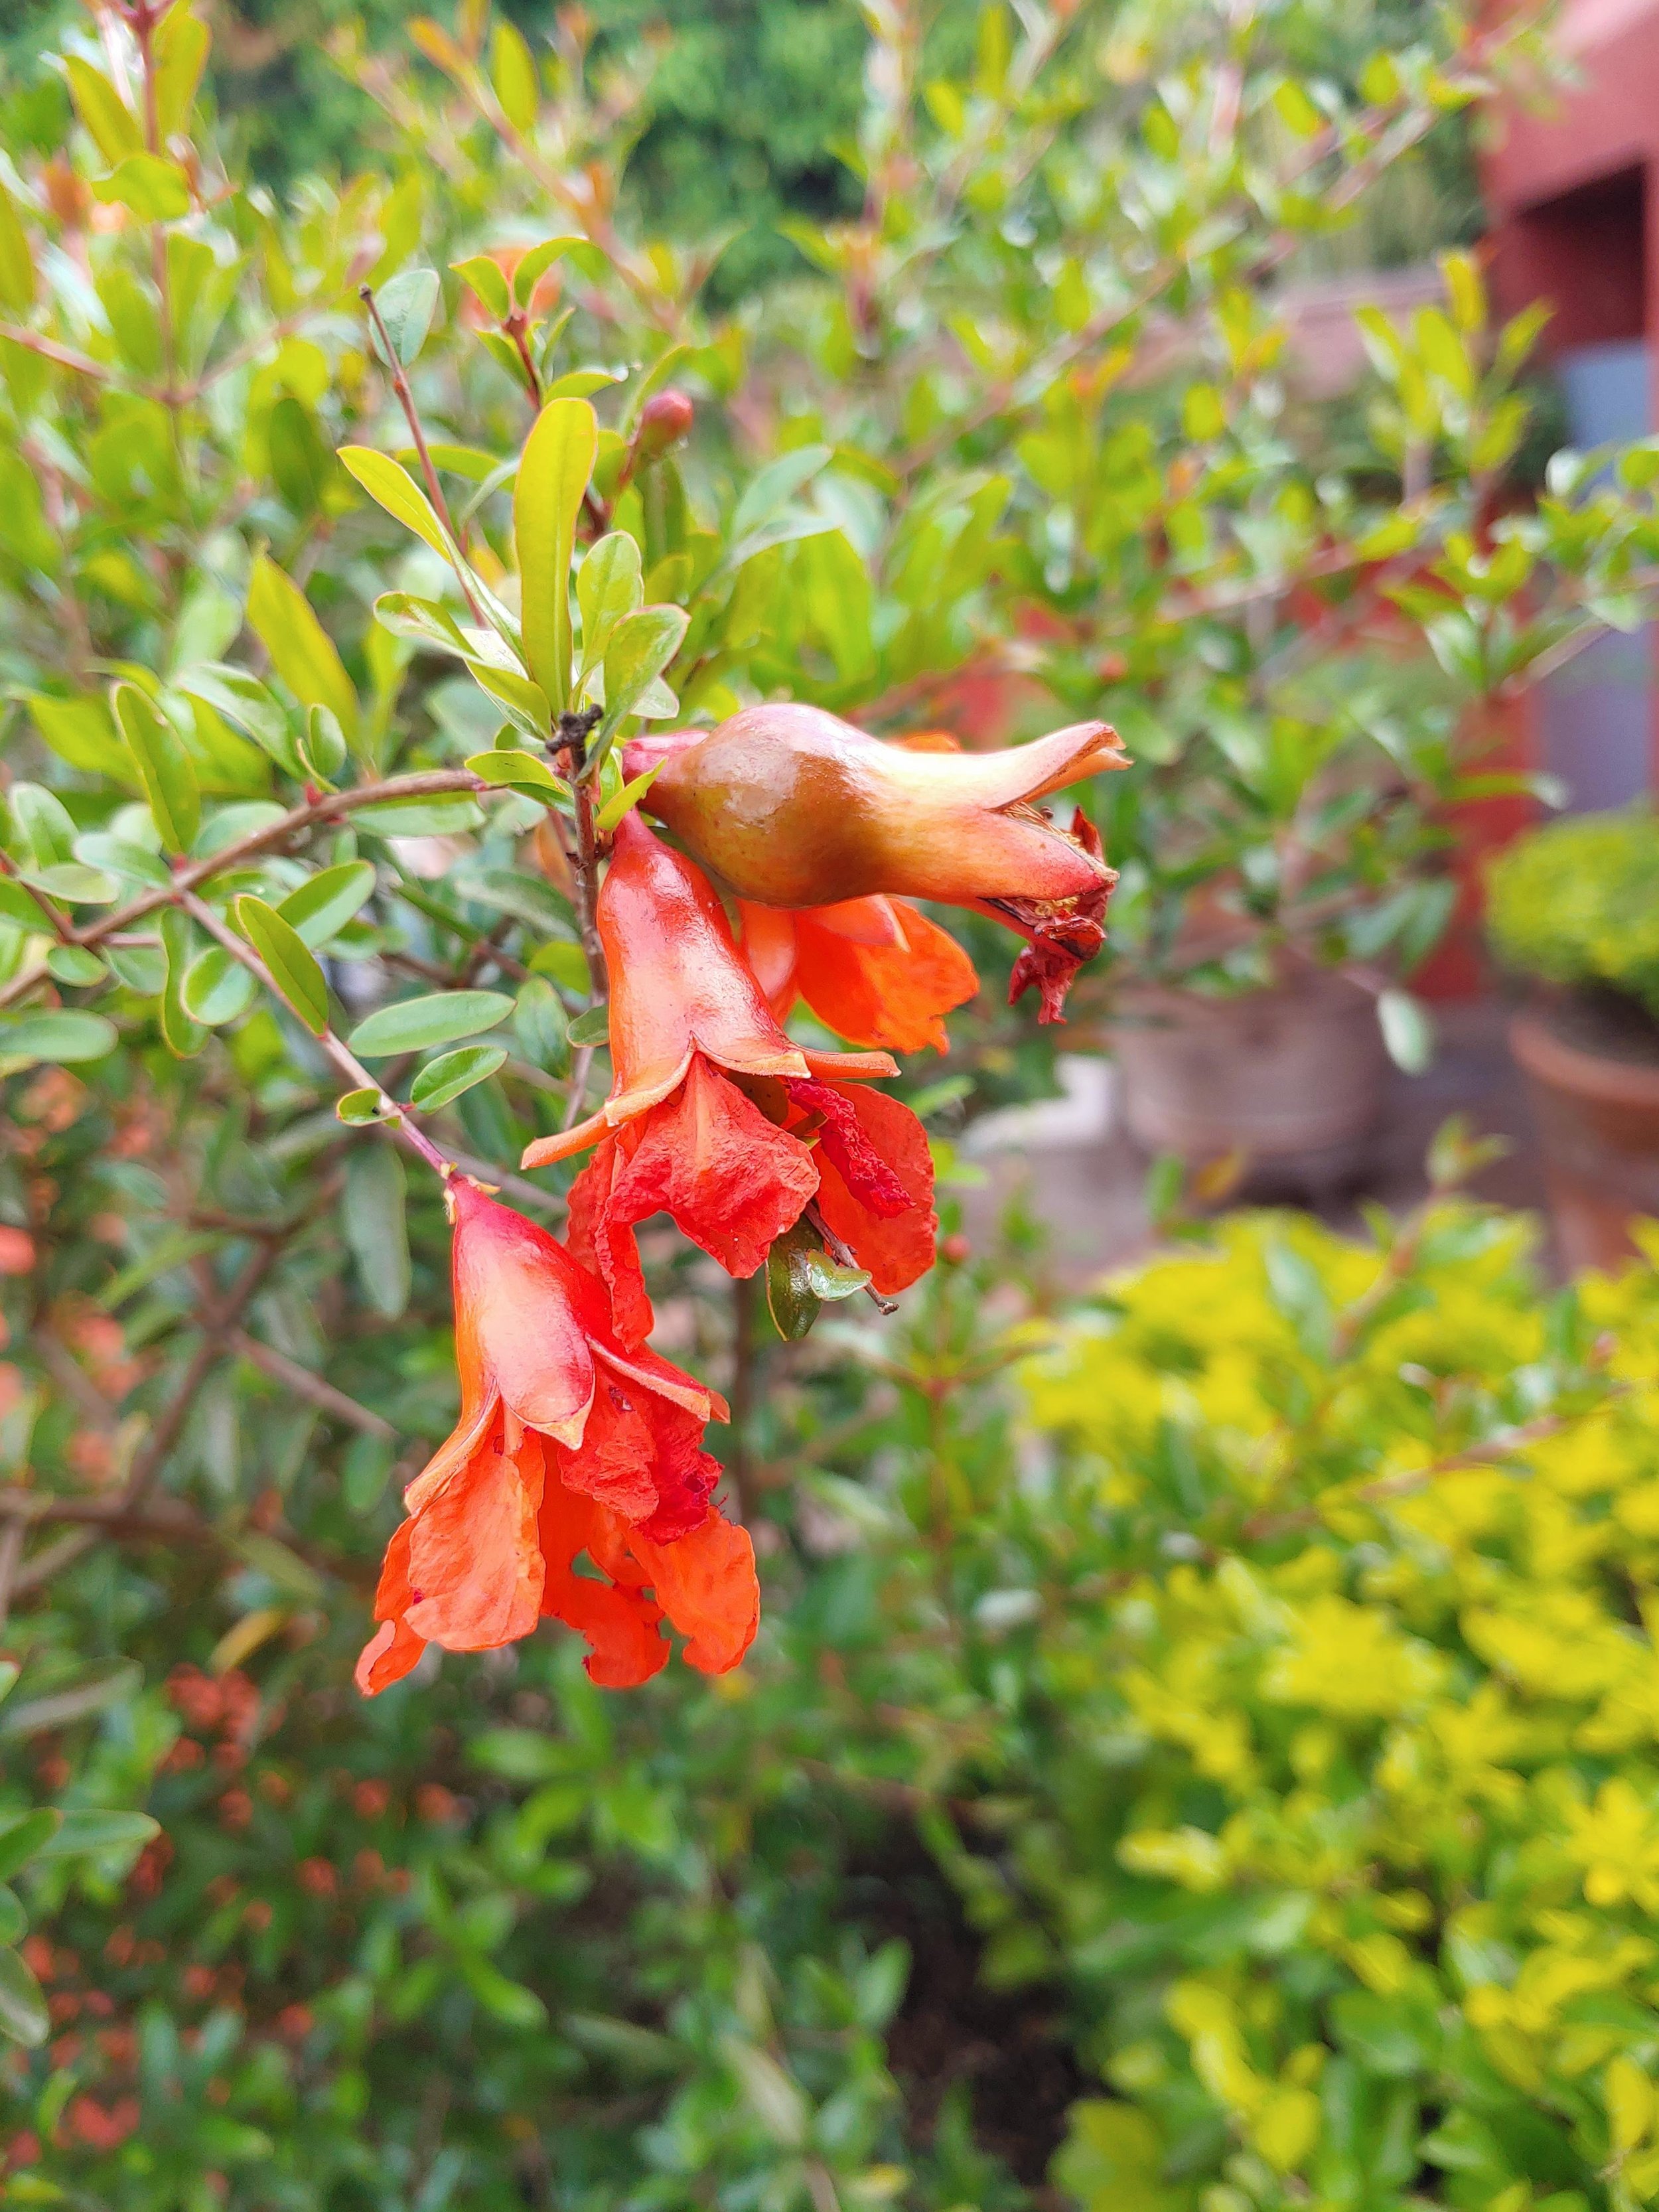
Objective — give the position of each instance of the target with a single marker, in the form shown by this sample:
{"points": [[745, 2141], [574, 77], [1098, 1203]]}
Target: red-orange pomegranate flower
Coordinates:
{"points": [[793, 807], [715, 1117], [567, 1443], [873, 969]]}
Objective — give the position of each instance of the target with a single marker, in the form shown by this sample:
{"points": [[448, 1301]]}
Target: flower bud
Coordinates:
{"points": [[665, 418]]}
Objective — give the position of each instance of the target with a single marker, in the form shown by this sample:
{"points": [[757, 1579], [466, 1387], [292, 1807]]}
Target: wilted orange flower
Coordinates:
{"points": [[566, 1443], [791, 807], [873, 969], [715, 1117]]}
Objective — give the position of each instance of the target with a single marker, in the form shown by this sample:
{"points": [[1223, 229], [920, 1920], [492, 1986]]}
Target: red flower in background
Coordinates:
{"points": [[873, 969], [793, 807], [715, 1117], [566, 1443]]}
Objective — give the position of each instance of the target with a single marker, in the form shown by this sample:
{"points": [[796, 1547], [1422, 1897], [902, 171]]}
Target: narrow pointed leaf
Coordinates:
{"points": [[553, 477], [169, 779], [289, 960]]}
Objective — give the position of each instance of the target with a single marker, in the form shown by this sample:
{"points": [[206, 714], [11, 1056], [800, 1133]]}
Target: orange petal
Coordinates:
{"points": [[880, 994], [394, 1648], [769, 946], [606, 1245], [678, 982], [706, 1584], [475, 1567], [523, 1294], [619, 1622], [387, 1656], [730, 1179], [897, 1250]]}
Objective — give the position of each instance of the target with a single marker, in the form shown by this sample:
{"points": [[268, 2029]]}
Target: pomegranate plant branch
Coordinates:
{"points": [[335, 1048], [435, 490]]}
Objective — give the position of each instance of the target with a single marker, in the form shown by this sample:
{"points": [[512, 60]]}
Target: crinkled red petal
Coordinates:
{"points": [[475, 1561], [709, 1157], [896, 1248], [843, 1142], [605, 1244]]}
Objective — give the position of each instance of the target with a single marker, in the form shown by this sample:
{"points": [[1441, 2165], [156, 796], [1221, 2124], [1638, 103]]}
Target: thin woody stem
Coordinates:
{"points": [[432, 784], [347, 1061], [406, 400]]}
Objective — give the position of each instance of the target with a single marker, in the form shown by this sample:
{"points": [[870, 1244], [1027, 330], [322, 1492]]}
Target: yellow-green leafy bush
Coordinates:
{"points": [[1578, 901], [1351, 1836]]}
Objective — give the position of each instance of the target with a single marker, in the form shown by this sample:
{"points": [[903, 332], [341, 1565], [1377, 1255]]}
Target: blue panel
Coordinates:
{"points": [[1596, 716]]}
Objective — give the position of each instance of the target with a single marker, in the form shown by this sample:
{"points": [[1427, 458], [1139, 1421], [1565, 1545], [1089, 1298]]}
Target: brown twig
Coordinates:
{"points": [[304, 1384], [435, 490], [431, 783]]}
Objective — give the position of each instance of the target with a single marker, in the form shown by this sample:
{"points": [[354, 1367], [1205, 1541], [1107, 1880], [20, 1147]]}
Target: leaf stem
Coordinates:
{"points": [[435, 490]]}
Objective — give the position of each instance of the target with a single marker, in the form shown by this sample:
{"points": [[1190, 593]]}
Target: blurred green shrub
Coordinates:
{"points": [[1578, 903]]}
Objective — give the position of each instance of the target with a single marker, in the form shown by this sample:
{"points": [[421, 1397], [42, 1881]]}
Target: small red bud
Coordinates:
{"points": [[665, 418], [954, 1248]]}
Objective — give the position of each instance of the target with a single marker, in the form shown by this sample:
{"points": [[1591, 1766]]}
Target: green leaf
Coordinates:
{"points": [[17, 906], [829, 1280], [777, 484], [301, 650], [791, 1299], [608, 587], [17, 263], [74, 965], [566, 964], [73, 881], [321, 907], [484, 279], [44, 825], [407, 306], [446, 1078], [13, 1920], [357, 1109], [91, 1830], [82, 732], [324, 752], [372, 1215], [539, 1023], [108, 121], [217, 988], [625, 800], [182, 1036], [65, 1035], [439, 1018], [179, 42], [288, 959], [391, 487], [169, 779], [519, 771], [512, 74], [537, 262], [23, 2015], [529, 899], [248, 704], [420, 818], [23, 1835], [553, 477], [640, 647], [153, 187], [590, 1026], [300, 463]]}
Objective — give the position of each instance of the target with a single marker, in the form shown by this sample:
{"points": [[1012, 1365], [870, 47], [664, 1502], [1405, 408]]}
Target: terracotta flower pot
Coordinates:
{"points": [[1294, 1076], [1598, 1127]]}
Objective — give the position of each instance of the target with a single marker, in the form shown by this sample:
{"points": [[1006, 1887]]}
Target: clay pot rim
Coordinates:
{"points": [[1550, 1060]]}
